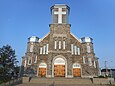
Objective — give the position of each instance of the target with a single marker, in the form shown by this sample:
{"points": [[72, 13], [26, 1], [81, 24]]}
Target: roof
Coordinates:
{"points": [[44, 37], [75, 37]]}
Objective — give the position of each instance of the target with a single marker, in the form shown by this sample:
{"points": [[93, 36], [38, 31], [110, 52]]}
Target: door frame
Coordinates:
{"points": [[77, 67], [59, 56], [41, 67]]}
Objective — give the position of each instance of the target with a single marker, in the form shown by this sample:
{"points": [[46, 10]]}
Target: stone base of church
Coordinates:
{"points": [[87, 76], [60, 67], [48, 76], [69, 76]]}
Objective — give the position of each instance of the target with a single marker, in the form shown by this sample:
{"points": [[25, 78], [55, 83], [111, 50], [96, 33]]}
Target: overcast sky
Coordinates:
{"points": [[20, 19]]}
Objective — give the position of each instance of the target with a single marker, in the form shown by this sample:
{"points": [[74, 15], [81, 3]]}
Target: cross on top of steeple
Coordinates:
{"points": [[60, 13]]}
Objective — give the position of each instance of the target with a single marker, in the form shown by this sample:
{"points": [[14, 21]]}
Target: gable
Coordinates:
{"points": [[73, 36], [45, 38]]}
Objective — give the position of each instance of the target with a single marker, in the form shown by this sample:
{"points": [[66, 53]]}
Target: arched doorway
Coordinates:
{"points": [[42, 69], [76, 70], [59, 66]]}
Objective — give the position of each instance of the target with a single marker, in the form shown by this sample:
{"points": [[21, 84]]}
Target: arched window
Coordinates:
{"points": [[55, 45], [35, 59], [78, 51], [90, 61], [63, 44], [94, 64], [83, 59], [88, 49], [31, 47], [59, 44], [76, 65], [29, 61], [41, 50], [59, 61]]}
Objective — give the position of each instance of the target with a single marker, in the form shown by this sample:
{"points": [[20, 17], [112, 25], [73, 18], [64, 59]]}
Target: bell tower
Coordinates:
{"points": [[60, 13], [59, 27]]}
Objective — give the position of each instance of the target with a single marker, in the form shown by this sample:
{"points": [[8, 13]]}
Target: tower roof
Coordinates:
{"points": [[86, 39], [33, 39]]}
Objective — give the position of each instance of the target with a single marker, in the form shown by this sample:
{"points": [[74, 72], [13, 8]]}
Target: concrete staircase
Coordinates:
{"points": [[40, 84], [58, 82], [61, 81]]}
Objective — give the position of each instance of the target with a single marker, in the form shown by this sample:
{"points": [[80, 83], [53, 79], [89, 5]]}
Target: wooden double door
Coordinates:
{"points": [[76, 72], [42, 72], [59, 70]]}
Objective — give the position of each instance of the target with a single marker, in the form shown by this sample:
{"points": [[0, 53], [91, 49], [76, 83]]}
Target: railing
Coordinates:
{"points": [[12, 82]]}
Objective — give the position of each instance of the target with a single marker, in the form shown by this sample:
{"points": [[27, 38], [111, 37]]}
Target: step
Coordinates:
{"points": [[40, 84], [58, 80]]}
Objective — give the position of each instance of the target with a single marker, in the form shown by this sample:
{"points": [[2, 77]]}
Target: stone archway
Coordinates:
{"points": [[59, 66], [42, 69], [76, 70]]}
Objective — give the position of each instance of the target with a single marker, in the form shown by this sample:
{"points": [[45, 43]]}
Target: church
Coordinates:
{"points": [[60, 53]]}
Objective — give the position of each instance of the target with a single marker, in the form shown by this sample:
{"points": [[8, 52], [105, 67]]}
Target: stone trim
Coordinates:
{"points": [[87, 76], [59, 51]]}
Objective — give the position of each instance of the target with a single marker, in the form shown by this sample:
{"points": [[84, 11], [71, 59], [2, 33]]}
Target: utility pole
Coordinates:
{"points": [[111, 70], [106, 68]]}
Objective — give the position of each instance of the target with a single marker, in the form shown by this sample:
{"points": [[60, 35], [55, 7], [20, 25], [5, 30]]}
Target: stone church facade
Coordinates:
{"points": [[60, 53]]}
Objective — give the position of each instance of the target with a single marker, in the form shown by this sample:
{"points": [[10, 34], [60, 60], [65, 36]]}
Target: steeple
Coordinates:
{"points": [[60, 13]]}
